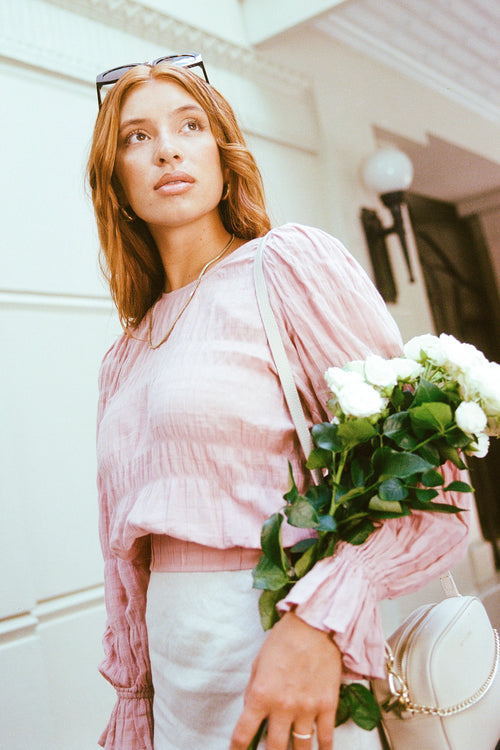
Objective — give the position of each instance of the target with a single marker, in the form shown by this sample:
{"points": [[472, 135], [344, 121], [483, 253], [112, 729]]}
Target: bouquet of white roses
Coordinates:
{"points": [[394, 423]]}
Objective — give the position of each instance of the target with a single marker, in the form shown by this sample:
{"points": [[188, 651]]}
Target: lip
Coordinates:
{"points": [[174, 180]]}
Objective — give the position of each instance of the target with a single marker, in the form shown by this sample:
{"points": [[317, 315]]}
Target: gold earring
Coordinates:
{"points": [[126, 215], [225, 192]]}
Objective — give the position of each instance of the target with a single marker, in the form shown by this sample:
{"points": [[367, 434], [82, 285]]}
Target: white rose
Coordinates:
{"points": [[336, 378], [490, 388], [360, 400], [462, 356], [479, 448], [405, 369], [470, 418], [421, 348], [379, 372]]}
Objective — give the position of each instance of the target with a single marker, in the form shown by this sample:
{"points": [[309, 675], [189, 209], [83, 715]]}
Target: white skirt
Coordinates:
{"points": [[204, 633]]}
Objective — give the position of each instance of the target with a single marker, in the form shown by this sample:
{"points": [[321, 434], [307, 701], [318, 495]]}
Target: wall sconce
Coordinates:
{"points": [[388, 172]]}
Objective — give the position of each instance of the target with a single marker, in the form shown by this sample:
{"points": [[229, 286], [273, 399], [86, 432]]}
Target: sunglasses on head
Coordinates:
{"points": [[110, 77]]}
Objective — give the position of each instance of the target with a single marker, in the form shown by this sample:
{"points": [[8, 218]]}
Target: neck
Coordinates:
{"points": [[185, 250]]}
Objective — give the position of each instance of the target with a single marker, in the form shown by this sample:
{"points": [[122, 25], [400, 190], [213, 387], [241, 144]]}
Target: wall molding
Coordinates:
{"points": [[48, 300], [30, 32], [25, 624]]}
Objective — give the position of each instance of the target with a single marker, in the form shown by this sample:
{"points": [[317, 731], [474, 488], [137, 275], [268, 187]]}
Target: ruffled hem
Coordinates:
{"points": [[131, 724], [337, 596]]}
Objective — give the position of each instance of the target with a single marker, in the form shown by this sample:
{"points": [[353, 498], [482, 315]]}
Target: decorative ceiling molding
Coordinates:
{"points": [[353, 35], [134, 18], [71, 39]]}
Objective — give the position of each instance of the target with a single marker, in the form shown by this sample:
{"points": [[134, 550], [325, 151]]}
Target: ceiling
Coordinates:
{"points": [[452, 46]]}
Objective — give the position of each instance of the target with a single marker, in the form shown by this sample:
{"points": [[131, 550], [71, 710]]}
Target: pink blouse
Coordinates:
{"points": [[194, 439]]}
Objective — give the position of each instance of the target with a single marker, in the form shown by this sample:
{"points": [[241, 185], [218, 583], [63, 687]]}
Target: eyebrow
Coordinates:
{"points": [[178, 110]]}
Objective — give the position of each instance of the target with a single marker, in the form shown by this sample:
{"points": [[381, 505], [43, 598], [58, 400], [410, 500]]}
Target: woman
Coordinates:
{"points": [[194, 438]]}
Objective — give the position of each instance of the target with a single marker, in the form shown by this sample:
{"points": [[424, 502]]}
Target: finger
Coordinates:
{"points": [[245, 730], [278, 733], [302, 734], [325, 724]]}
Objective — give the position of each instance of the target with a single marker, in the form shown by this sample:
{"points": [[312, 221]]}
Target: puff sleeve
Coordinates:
{"points": [[126, 664], [330, 313]]}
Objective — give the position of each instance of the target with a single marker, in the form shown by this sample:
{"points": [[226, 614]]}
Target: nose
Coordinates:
{"points": [[167, 150]]}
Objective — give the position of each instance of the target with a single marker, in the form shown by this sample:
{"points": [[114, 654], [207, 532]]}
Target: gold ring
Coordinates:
{"points": [[301, 736]]}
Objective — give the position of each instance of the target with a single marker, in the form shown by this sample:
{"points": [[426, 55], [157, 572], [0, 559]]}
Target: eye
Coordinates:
{"points": [[192, 125], [136, 136]]}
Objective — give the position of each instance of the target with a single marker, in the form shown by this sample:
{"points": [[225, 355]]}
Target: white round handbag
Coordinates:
{"points": [[442, 690]]}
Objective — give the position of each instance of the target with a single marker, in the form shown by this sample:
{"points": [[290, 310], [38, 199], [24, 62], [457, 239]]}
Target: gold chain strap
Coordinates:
{"points": [[401, 701]]}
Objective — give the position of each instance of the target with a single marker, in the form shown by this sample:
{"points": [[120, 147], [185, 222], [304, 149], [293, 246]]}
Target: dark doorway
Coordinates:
{"points": [[464, 301]]}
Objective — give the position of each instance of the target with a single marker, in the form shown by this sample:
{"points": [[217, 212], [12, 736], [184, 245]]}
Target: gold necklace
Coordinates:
{"points": [[197, 284]]}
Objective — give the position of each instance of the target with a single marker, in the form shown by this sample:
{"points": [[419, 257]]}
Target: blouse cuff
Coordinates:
{"points": [[131, 722], [337, 596]]}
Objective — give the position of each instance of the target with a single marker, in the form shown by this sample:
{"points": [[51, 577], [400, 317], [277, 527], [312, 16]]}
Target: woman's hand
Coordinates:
{"points": [[294, 684]]}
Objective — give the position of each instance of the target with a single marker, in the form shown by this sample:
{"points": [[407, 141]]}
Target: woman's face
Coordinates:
{"points": [[167, 160]]}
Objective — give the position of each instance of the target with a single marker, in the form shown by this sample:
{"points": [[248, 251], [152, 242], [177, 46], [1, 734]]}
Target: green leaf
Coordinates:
{"points": [[343, 707], [396, 424], [428, 392], [327, 523], [306, 561], [432, 478], [355, 431], [270, 539], [357, 473], [436, 507], [397, 427], [435, 416], [402, 464], [319, 458], [267, 575], [458, 487], [319, 495], [451, 454], [256, 740], [431, 454], [325, 436], [292, 493], [392, 489], [391, 506], [267, 607], [359, 533], [365, 711], [458, 439], [425, 496], [302, 514], [302, 546], [398, 397]]}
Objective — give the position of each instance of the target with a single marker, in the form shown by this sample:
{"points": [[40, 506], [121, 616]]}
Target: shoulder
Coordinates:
{"points": [[301, 256], [308, 251]]}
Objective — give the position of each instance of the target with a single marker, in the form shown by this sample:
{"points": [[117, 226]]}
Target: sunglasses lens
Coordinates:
{"points": [[177, 59], [112, 76]]}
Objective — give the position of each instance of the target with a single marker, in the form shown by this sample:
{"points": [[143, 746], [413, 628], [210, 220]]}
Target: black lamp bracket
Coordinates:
{"points": [[376, 234]]}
